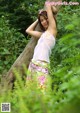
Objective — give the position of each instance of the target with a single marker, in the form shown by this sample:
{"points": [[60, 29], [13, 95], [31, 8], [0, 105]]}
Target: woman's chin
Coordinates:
{"points": [[45, 27]]}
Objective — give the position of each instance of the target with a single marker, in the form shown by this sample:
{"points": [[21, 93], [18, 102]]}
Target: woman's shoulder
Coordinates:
{"points": [[52, 31], [48, 34]]}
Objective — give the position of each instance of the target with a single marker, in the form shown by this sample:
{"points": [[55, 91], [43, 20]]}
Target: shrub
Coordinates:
{"points": [[12, 43]]}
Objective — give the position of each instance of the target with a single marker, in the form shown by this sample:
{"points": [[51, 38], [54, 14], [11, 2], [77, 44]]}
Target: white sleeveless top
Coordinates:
{"points": [[44, 46]]}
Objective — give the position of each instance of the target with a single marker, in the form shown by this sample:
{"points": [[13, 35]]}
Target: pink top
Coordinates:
{"points": [[44, 46]]}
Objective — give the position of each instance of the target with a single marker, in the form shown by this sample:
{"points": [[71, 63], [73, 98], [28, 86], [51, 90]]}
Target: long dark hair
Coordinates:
{"points": [[44, 14]]}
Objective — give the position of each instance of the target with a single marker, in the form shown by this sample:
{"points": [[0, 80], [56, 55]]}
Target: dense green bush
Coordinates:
{"points": [[29, 99], [12, 43], [20, 13], [66, 54]]}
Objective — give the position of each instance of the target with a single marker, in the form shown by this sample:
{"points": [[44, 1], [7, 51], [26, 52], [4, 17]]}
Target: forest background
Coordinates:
{"points": [[15, 17]]}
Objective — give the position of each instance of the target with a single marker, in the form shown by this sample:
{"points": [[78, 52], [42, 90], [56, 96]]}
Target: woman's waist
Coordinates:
{"points": [[39, 62]]}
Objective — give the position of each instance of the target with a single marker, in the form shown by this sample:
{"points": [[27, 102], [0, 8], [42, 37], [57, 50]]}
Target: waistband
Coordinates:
{"points": [[40, 63], [40, 66]]}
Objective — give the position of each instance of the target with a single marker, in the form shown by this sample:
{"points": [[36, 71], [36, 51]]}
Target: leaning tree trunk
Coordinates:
{"points": [[23, 59]]}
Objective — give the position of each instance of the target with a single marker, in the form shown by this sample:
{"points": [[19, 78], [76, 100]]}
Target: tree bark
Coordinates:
{"points": [[24, 59]]}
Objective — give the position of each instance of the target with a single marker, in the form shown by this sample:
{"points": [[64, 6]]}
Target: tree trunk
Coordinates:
{"points": [[24, 59]]}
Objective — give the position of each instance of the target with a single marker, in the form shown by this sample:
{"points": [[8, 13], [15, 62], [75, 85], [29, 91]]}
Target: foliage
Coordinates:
{"points": [[65, 64], [20, 13], [66, 54], [29, 99], [11, 44]]}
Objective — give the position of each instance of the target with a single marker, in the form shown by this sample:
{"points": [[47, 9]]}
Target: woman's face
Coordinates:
{"points": [[44, 22]]}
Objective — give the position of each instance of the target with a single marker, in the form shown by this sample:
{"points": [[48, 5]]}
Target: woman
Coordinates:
{"points": [[38, 67]]}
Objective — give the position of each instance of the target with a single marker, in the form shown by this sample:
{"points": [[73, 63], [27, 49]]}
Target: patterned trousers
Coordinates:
{"points": [[39, 71]]}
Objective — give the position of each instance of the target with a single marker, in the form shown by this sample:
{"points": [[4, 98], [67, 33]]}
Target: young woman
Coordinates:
{"points": [[38, 67]]}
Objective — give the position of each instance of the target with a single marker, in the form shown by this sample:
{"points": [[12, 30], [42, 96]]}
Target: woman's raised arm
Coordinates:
{"points": [[31, 30], [52, 23]]}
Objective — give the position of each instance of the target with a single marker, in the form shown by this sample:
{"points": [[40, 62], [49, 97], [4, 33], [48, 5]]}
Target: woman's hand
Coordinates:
{"points": [[50, 5], [41, 10]]}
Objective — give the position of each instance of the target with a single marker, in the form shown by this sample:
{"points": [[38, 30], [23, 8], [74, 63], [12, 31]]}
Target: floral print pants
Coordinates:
{"points": [[38, 70]]}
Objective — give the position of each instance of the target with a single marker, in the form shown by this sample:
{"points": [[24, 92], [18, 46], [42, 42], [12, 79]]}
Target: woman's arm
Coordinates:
{"points": [[52, 24], [31, 30]]}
